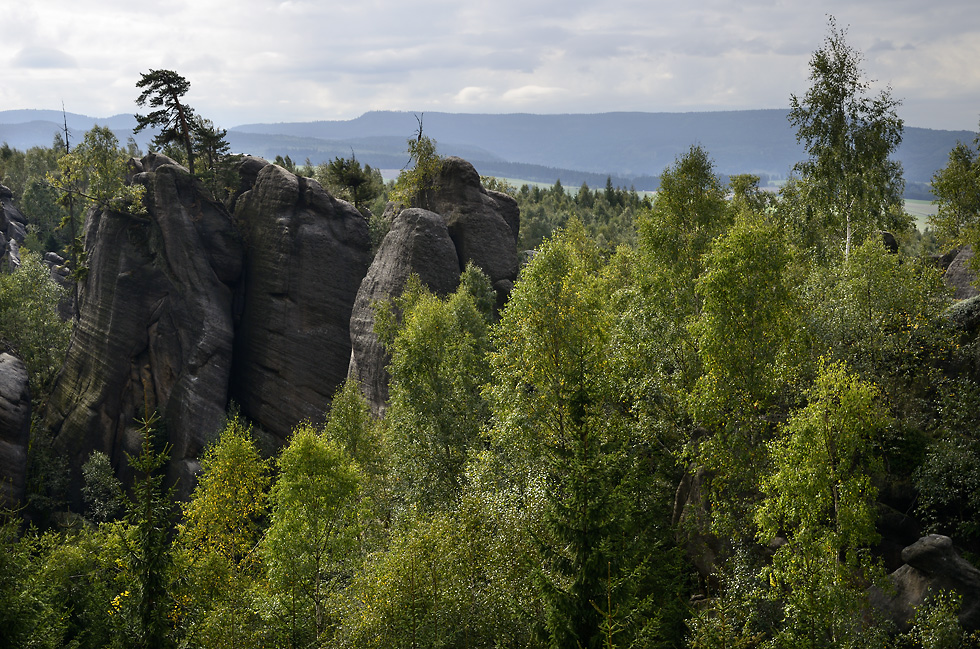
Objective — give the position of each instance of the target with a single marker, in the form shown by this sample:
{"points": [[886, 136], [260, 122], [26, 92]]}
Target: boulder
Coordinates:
{"points": [[15, 428], [960, 276], [483, 225], [932, 564], [154, 328], [889, 241], [307, 255], [418, 242]]}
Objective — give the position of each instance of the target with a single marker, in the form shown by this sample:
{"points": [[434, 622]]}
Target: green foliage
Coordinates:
{"points": [[851, 186], [822, 496], [224, 511], [688, 213], [350, 424], [747, 321], [215, 556], [164, 90], [94, 173], [447, 579], [414, 186], [948, 484], [347, 179], [746, 341], [30, 326], [70, 580], [880, 313], [45, 214], [312, 531], [557, 411], [102, 490], [145, 607], [957, 191], [608, 217], [741, 614], [17, 604], [212, 151], [438, 369], [935, 624]]}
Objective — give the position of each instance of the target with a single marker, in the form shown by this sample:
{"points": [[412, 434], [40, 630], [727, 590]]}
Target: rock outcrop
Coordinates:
{"points": [[463, 223], [15, 428], [418, 242], [155, 326], [960, 276], [483, 224], [932, 565], [307, 255], [13, 229]]}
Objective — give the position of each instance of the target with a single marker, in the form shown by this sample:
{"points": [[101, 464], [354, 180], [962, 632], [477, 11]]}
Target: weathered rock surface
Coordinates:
{"points": [[932, 564], [307, 255], [960, 276], [463, 223], [418, 242], [13, 229], [15, 428], [155, 326], [483, 225]]}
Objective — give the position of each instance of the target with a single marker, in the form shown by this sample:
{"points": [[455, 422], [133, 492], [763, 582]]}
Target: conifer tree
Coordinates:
{"points": [[164, 90]]}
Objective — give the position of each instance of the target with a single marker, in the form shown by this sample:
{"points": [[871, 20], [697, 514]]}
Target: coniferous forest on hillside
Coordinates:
{"points": [[710, 417]]}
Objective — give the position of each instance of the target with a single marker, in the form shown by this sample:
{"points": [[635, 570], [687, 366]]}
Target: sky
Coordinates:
{"points": [[302, 60]]}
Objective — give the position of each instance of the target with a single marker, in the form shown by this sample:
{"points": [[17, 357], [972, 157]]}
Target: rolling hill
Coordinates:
{"points": [[632, 148]]}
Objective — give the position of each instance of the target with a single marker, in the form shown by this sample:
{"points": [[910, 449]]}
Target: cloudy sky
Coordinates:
{"points": [[299, 60]]}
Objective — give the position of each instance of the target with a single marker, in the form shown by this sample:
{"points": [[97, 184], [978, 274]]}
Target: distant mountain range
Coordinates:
{"points": [[631, 148]]}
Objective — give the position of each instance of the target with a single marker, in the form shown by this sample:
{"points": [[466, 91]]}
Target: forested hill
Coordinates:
{"points": [[621, 144], [632, 148]]}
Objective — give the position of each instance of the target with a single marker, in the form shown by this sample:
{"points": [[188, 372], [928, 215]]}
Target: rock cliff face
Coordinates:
{"points": [[466, 223], [306, 257], [418, 242], [188, 307], [155, 325], [15, 428], [13, 229], [483, 225]]}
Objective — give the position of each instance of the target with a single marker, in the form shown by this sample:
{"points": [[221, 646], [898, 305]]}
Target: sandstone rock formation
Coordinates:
{"points": [[307, 255], [155, 325], [463, 223], [418, 242], [15, 428], [960, 276], [13, 229], [483, 224], [932, 564]]}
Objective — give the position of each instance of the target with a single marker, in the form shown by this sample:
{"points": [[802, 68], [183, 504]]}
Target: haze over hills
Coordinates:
{"points": [[632, 148]]}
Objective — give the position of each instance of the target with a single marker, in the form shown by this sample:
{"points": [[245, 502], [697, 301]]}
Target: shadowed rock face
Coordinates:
{"points": [[13, 229], [464, 223], [15, 428], [483, 225], [155, 326], [418, 242], [307, 254], [932, 564], [960, 276]]}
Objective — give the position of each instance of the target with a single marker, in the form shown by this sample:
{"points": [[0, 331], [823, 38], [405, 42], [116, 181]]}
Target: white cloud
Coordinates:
{"points": [[285, 60], [531, 94], [43, 57]]}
